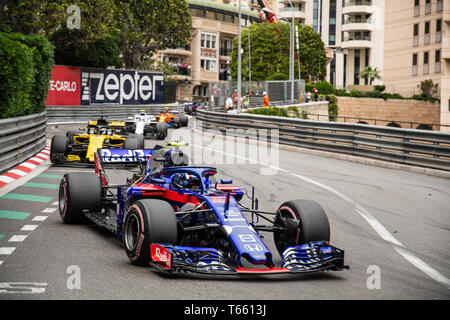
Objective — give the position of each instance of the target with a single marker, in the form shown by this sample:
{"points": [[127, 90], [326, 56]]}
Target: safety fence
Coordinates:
{"points": [[58, 114], [20, 138], [423, 148]]}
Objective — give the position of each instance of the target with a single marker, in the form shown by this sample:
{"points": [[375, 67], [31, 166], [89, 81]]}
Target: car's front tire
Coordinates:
{"points": [[79, 191], [148, 221], [306, 222]]}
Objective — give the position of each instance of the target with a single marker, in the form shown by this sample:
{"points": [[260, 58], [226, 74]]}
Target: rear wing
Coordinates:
{"points": [[118, 156], [124, 155]]}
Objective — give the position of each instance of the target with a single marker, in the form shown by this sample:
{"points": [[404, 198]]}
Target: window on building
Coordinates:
{"points": [[437, 61], [426, 56], [427, 33], [415, 60], [416, 29], [208, 41], [208, 64]]}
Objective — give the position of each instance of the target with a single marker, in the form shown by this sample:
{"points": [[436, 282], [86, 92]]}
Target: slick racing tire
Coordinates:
{"points": [[183, 120], [177, 122], [148, 221], [79, 191], [131, 143], [306, 221], [161, 130], [140, 138], [58, 148]]}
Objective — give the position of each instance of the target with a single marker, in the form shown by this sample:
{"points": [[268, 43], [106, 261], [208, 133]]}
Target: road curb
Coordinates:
{"points": [[25, 167]]}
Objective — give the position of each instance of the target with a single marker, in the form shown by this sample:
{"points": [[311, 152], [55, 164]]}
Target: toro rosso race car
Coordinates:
{"points": [[179, 218], [81, 146]]}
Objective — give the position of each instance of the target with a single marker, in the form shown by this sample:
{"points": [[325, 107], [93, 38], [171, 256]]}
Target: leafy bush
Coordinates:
{"points": [[17, 74], [380, 88], [355, 93], [332, 107], [304, 114], [323, 87], [278, 76], [25, 69], [294, 109], [43, 64], [270, 111], [428, 88], [101, 53]]}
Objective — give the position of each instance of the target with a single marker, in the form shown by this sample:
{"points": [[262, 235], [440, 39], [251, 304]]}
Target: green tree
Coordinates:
{"points": [[269, 53], [428, 88], [147, 26], [369, 73], [71, 49]]}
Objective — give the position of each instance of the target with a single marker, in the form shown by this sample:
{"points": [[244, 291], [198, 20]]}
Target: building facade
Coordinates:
{"points": [[206, 59], [353, 30], [417, 47]]}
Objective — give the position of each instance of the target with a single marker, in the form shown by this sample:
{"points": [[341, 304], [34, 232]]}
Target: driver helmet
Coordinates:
{"points": [[185, 181], [103, 131]]}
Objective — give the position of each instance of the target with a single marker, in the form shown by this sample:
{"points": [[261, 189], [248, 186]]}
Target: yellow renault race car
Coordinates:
{"points": [[79, 147]]}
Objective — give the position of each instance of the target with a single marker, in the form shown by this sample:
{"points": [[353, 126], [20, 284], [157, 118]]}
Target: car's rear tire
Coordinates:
{"points": [[177, 122], [184, 120], [140, 138], [161, 130], [131, 143], [309, 223], [58, 148], [79, 191], [148, 221]]}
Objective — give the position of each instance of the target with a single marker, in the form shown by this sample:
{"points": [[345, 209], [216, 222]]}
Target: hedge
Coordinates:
{"points": [[16, 78], [25, 67]]}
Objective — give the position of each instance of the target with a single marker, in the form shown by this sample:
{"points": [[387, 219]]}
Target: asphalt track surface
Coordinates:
{"points": [[390, 223]]}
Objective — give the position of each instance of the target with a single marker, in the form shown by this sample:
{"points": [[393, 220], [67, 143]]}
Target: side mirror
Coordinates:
{"points": [[157, 181], [226, 181]]}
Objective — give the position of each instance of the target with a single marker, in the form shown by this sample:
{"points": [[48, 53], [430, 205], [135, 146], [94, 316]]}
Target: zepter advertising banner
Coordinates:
{"points": [[99, 86]]}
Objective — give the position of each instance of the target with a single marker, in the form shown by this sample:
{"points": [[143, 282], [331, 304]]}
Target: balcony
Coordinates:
{"points": [[355, 25], [299, 13], [356, 43], [178, 52], [358, 7]]}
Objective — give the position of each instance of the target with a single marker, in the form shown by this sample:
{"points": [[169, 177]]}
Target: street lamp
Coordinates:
{"points": [[239, 75], [291, 71]]}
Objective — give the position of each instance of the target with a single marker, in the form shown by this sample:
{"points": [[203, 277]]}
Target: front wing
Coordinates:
{"points": [[307, 258]]}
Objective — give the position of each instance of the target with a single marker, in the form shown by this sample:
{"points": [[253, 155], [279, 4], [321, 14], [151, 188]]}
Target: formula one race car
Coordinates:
{"points": [[81, 146], [178, 218], [147, 125], [173, 118], [191, 108]]}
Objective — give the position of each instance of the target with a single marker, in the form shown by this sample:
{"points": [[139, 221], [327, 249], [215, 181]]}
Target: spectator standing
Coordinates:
{"points": [[229, 104], [308, 96], [266, 99], [316, 94]]}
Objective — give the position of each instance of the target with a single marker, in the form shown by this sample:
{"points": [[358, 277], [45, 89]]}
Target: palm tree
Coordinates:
{"points": [[371, 74]]}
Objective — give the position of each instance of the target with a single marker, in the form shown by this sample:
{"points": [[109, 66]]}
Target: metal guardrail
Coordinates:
{"points": [[21, 138], [407, 146], [57, 114]]}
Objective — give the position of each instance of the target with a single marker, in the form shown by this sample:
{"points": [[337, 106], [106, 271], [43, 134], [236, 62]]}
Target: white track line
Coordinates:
{"points": [[370, 219], [49, 210], [29, 227], [17, 238]]}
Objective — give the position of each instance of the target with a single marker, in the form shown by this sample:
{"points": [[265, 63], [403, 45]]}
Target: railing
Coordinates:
{"points": [[411, 147], [58, 114], [20, 138]]}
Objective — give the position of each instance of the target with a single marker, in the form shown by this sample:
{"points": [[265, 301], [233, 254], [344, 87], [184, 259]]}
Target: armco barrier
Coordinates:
{"points": [[423, 148], [58, 114], [20, 138]]}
